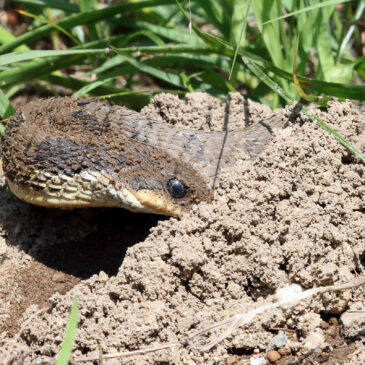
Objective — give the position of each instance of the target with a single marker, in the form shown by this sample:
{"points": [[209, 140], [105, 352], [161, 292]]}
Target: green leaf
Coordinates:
{"points": [[342, 140], [66, 348], [78, 19], [172, 34], [14, 57], [55, 4], [325, 54], [6, 37], [6, 109], [360, 66], [88, 5], [238, 34], [170, 77], [276, 88], [306, 9], [214, 13]]}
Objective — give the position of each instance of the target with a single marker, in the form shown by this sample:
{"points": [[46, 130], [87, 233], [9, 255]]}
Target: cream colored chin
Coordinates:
{"points": [[157, 203], [90, 189], [41, 199]]}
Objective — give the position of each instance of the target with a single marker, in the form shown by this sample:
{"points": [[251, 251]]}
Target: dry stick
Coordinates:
{"points": [[235, 321], [283, 329], [240, 319]]}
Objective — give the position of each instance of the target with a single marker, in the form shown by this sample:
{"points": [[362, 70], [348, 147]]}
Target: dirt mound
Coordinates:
{"points": [[294, 215]]}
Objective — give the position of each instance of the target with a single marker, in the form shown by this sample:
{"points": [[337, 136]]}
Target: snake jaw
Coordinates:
{"points": [[90, 189], [157, 203]]}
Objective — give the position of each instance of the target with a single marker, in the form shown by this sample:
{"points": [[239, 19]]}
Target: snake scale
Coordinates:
{"points": [[69, 153]]}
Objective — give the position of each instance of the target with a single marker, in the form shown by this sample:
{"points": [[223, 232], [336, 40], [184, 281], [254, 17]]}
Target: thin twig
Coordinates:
{"points": [[236, 321], [283, 329], [239, 320]]}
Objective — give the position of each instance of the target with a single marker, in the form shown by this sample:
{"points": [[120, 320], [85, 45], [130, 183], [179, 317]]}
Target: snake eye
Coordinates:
{"points": [[176, 188]]}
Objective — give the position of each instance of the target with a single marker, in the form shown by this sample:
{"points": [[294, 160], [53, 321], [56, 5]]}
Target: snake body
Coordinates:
{"points": [[69, 153]]}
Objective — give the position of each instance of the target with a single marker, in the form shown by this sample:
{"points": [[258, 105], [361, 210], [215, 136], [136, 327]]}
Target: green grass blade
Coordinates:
{"points": [[260, 73], [276, 88], [342, 140], [6, 37], [54, 4], [346, 39], [170, 77], [85, 6], [14, 57], [78, 19], [44, 20], [236, 35], [178, 61], [41, 67], [305, 10], [360, 66], [217, 45], [66, 348], [168, 33], [325, 54], [214, 13], [6, 110], [136, 102], [338, 90], [267, 9]]}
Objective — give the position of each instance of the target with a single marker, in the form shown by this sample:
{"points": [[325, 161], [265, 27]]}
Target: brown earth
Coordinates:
{"points": [[293, 216]]}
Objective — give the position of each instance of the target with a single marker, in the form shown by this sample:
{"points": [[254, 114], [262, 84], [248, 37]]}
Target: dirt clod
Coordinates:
{"points": [[273, 356]]}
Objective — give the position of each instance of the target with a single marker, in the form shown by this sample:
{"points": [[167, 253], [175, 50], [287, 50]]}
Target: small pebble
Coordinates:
{"points": [[332, 331], [322, 357], [257, 361], [293, 361], [314, 340], [273, 355], [324, 325], [333, 321], [284, 351], [327, 347], [58, 277], [231, 360]]}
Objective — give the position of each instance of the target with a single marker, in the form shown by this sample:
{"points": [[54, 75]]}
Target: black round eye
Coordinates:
{"points": [[176, 188]]}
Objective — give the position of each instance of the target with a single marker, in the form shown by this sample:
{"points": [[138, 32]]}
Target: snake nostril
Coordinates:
{"points": [[176, 188]]}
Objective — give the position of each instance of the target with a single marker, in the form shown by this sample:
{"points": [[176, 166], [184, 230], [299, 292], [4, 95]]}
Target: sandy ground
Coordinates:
{"points": [[293, 216]]}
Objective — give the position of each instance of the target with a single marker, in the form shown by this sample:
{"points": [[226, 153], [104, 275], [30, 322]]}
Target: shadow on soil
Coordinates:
{"points": [[79, 242]]}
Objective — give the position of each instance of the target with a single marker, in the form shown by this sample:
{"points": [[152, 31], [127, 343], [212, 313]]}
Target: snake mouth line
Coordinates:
{"points": [[90, 189]]}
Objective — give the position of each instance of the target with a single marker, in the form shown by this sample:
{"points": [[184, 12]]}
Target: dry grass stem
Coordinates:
{"points": [[290, 296]]}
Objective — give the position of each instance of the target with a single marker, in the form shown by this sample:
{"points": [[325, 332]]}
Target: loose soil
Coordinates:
{"points": [[295, 215]]}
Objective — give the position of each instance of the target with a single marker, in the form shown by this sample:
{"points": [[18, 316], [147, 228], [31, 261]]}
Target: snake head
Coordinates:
{"points": [[66, 153], [162, 184]]}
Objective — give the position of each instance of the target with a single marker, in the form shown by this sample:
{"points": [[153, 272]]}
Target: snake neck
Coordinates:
{"points": [[206, 152]]}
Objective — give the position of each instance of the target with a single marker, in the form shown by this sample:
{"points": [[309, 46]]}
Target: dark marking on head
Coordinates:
{"points": [[69, 156]]}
